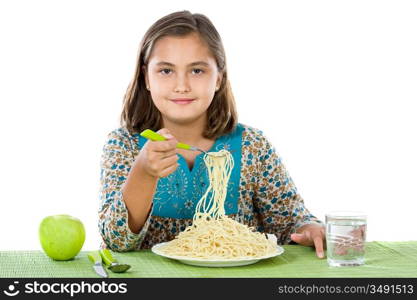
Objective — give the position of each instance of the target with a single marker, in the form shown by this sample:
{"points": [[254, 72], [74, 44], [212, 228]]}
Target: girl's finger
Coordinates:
{"points": [[318, 244], [168, 170], [163, 146], [309, 239], [306, 238], [300, 238], [168, 153], [167, 162], [323, 232], [165, 132]]}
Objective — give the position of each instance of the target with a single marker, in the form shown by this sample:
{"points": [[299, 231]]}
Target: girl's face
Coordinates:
{"points": [[182, 77]]}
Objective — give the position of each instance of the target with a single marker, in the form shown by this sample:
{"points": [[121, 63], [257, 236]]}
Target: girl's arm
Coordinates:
{"points": [[138, 192], [281, 208], [114, 218], [128, 185]]}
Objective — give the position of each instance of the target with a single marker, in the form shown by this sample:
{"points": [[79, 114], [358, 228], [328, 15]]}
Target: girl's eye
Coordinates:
{"points": [[165, 71], [198, 71], [169, 71]]}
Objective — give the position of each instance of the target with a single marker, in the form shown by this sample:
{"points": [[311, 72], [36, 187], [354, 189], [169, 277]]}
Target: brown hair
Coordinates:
{"points": [[140, 113]]}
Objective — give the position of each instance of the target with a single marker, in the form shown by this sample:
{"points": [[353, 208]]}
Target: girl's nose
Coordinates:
{"points": [[182, 85]]}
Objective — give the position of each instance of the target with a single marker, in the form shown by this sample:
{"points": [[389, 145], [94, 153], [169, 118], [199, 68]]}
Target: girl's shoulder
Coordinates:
{"points": [[250, 133], [122, 138], [256, 144]]}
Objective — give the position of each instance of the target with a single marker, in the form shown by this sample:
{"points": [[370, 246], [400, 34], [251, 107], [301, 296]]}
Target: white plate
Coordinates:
{"points": [[215, 262]]}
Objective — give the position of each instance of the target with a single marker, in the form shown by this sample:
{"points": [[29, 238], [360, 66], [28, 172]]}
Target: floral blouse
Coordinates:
{"points": [[261, 194]]}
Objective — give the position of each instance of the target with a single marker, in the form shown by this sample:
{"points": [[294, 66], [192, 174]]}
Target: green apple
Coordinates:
{"points": [[61, 236]]}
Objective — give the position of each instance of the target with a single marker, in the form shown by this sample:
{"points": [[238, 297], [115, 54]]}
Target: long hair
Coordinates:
{"points": [[139, 111]]}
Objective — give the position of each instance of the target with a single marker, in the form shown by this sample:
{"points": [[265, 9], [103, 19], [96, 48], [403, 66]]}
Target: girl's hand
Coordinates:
{"points": [[159, 159], [311, 235]]}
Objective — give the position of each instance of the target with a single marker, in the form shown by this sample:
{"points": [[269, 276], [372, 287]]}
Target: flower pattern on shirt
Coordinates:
{"points": [[268, 199]]}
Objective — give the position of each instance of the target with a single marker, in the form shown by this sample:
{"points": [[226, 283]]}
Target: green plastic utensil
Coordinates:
{"points": [[112, 263], [95, 258], [153, 136]]}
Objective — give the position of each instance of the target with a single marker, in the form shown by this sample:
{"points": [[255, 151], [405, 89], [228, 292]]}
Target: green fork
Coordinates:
{"points": [[153, 136]]}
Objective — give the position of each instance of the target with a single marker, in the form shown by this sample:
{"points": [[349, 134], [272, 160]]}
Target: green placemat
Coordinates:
{"points": [[383, 259]]}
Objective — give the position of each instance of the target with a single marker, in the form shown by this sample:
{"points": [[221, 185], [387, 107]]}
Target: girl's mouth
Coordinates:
{"points": [[182, 100]]}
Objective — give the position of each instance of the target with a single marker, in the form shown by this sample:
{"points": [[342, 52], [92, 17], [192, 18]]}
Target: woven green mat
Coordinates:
{"points": [[383, 259]]}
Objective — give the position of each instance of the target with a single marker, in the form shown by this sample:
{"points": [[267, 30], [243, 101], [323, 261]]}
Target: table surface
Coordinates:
{"points": [[383, 259]]}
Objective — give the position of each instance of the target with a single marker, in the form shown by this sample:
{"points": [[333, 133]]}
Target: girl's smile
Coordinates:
{"points": [[183, 101]]}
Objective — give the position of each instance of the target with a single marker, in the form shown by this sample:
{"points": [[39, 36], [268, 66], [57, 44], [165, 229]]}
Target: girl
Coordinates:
{"points": [[149, 189]]}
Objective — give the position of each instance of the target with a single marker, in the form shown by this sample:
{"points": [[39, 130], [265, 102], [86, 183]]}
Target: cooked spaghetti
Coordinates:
{"points": [[213, 235]]}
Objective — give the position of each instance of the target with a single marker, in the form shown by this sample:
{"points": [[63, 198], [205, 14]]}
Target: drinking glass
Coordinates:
{"points": [[345, 238]]}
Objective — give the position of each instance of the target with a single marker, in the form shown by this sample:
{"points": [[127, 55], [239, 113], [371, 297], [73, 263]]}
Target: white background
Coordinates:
{"points": [[331, 83]]}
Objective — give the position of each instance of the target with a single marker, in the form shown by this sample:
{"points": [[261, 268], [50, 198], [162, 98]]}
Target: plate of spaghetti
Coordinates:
{"points": [[217, 261], [214, 239]]}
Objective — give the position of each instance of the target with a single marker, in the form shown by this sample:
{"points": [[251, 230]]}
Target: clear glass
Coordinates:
{"points": [[345, 238]]}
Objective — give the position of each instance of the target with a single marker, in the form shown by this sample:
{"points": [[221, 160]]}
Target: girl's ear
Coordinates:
{"points": [[145, 74], [219, 81]]}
